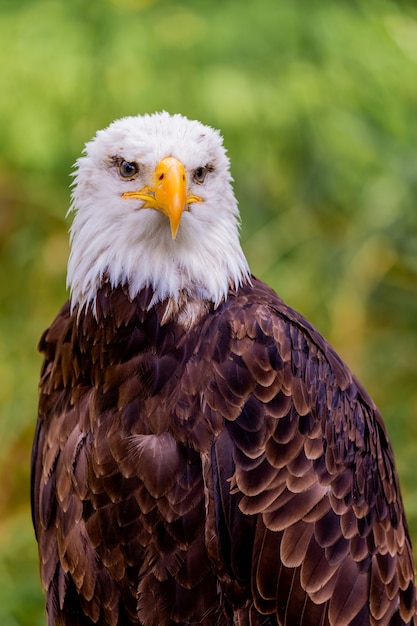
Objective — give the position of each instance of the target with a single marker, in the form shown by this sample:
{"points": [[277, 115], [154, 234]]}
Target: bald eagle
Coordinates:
{"points": [[202, 455]]}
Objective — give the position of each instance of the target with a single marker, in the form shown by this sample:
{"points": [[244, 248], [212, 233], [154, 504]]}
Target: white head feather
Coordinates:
{"points": [[115, 237]]}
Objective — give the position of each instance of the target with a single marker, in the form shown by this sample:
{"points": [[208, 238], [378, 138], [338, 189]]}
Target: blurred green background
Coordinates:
{"points": [[317, 102]]}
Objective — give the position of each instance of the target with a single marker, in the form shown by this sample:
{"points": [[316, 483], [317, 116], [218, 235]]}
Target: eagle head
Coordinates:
{"points": [[154, 207]]}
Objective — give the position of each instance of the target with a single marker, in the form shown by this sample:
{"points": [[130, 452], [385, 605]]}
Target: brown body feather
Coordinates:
{"points": [[229, 472]]}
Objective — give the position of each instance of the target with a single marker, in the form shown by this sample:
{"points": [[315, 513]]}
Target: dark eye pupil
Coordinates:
{"points": [[128, 169], [200, 174]]}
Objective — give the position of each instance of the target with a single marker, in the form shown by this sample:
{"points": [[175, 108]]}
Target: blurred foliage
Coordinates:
{"points": [[317, 102]]}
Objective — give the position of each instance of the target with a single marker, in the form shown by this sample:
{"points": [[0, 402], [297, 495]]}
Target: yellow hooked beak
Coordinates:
{"points": [[168, 193]]}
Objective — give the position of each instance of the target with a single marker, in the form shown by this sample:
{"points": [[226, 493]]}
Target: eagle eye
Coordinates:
{"points": [[200, 174], [128, 170]]}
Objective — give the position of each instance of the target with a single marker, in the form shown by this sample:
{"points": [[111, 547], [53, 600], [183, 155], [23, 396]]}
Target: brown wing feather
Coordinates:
{"points": [[317, 470], [231, 472]]}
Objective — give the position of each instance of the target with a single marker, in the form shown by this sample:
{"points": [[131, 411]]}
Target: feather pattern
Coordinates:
{"points": [[234, 472]]}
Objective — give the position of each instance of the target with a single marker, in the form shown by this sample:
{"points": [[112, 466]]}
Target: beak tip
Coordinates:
{"points": [[174, 230]]}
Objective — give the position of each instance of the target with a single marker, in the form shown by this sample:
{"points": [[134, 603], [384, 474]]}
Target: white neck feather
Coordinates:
{"points": [[203, 262]]}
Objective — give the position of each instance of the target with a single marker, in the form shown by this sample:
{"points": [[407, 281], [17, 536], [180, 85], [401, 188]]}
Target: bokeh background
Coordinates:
{"points": [[317, 101]]}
